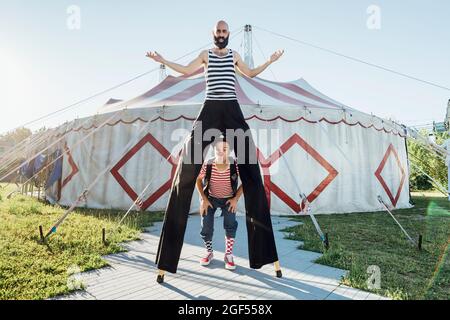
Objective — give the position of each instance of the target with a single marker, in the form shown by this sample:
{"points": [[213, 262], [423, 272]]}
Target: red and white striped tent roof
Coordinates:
{"points": [[190, 90]]}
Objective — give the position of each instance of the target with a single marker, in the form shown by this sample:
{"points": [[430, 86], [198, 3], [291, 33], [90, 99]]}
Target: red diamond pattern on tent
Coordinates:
{"points": [[72, 164], [269, 186], [391, 150], [173, 161]]}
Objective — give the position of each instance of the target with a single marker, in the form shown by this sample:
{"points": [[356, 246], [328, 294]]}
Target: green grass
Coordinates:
{"points": [[30, 270], [358, 240]]}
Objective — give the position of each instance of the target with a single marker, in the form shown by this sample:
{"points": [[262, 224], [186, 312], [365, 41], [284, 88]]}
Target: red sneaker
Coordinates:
{"points": [[207, 259], [229, 262]]}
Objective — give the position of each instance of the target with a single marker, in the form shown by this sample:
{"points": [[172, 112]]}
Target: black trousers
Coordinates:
{"points": [[221, 115]]}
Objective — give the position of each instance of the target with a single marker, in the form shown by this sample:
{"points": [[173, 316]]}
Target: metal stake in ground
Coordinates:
{"points": [[418, 243]]}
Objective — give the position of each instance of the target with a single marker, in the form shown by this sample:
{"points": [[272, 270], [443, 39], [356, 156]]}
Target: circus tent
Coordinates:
{"points": [[341, 158]]}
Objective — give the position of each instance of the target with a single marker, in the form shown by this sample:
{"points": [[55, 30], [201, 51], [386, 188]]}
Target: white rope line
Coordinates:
{"points": [[77, 143], [139, 198], [38, 153], [439, 186], [22, 150], [396, 221], [303, 198], [63, 109], [264, 57], [87, 119], [355, 59], [108, 167]]}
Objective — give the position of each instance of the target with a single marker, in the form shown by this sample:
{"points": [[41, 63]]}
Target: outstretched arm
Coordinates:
{"points": [[242, 66], [190, 68]]}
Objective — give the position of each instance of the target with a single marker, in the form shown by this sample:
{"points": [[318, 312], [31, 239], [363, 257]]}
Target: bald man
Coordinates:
{"points": [[220, 111]]}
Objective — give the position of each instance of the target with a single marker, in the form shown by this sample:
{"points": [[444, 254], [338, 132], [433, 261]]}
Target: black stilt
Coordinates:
{"points": [[160, 278], [279, 274]]}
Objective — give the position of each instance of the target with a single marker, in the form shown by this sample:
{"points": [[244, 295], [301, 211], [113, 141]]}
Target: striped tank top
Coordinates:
{"points": [[219, 183], [220, 77]]}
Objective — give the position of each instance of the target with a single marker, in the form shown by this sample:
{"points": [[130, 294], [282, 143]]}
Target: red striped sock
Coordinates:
{"points": [[229, 242]]}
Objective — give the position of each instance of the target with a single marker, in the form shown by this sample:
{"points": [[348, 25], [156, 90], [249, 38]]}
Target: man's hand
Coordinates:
{"points": [[204, 205], [232, 204], [276, 55], [155, 56]]}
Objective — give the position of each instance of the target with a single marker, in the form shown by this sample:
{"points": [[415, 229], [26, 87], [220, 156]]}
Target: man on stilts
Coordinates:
{"points": [[220, 113]]}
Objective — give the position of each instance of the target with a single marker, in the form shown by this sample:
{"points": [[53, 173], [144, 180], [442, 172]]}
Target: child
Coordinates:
{"points": [[217, 186]]}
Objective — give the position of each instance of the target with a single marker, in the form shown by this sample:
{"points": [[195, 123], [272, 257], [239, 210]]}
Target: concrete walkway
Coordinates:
{"points": [[132, 274]]}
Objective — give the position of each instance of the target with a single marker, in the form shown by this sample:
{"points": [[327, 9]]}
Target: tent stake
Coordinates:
{"points": [[104, 237], [41, 234]]}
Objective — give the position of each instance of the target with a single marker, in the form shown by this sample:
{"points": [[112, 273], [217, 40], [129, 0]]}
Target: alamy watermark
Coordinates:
{"points": [[75, 280], [73, 21], [374, 280], [243, 144], [374, 19]]}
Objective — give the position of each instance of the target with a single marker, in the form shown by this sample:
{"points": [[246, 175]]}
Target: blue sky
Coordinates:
{"points": [[44, 65]]}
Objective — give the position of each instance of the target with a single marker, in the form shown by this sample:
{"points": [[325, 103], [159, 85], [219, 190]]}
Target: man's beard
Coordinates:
{"points": [[219, 44]]}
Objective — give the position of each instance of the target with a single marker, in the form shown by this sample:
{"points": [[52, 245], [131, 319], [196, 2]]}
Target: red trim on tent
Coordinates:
{"points": [[173, 161], [266, 163], [72, 164], [394, 132], [390, 150]]}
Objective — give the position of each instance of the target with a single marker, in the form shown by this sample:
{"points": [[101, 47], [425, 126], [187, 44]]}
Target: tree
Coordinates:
{"points": [[430, 163], [14, 137]]}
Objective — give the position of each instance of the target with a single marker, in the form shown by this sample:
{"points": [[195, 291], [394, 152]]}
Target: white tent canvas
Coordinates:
{"points": [[341, 158]]}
